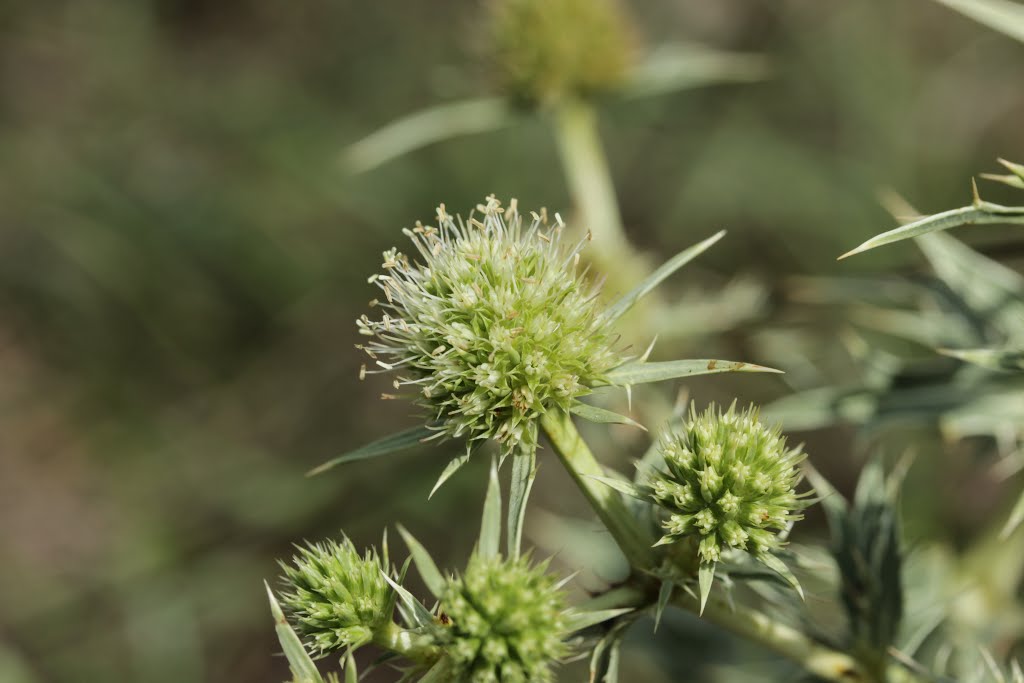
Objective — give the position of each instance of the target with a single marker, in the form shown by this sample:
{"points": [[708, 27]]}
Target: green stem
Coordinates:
{"points": [[410, 645], [634, 540]]}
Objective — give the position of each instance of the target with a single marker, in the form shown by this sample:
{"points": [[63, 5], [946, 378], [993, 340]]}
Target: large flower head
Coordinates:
{"points": [[334, 597], [506, 621], [729, 481], [492, 324]]}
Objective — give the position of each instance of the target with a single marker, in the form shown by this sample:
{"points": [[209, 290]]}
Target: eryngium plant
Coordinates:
{"points": [[495, 324], [505, 621], [544, 50], [335, 597]]}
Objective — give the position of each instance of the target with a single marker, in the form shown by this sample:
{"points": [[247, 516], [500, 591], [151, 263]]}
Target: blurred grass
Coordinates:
{"points": [[182, 258]]}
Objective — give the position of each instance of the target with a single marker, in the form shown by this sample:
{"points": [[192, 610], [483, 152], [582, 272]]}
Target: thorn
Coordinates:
{"points": [[976, 201]]}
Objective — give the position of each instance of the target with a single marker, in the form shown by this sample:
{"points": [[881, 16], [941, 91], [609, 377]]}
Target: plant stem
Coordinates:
{"points": [[633, 539], [415, 647]]}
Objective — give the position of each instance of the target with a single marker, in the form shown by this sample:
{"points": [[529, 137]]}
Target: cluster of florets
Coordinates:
{"points": [[728, 480], [334, 597], [505, 622], [494, 327], [546, 49]]}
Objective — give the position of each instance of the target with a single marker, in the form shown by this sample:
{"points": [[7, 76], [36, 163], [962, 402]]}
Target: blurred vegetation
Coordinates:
{"points": [[183, 255]]}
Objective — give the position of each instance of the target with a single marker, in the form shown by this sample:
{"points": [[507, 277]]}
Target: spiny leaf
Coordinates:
{"points": [[705, 577], [302, 666], [578, 620], [604, 662], [616, 310], [664, 595], [641, 373], [389, 444], [999, 15], [425, 127], [412, 610], [490, 525], [524, 469], [450, 469], [780, 568], [602, 416], [429, 572], [620, 485], [1014, 179]]}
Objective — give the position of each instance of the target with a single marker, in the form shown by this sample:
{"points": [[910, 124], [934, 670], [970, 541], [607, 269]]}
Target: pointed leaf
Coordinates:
{"points": [[999, 15], [425, 127], [981, 214], [389, 444], [429, 572], [604, 662], [780, 568], [675, 67], [664, 595], [1016, 518], [705, 577], [301, 664], [524, 469], [602, 416], [490, 525], [616, 310], [415, 613], [450, 469], [577, 621], [1011, 360], [620, 485], [641, 373], [439, 673], [351, 672]]}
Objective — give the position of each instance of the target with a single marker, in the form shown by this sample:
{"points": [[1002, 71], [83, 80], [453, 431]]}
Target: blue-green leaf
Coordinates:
{"points": [[616, 310], [664, 595], [429, 572], [389, 444], [524, 469], [641, 373], [413, 612], [299, 661], [705, 577], [602, 416], [620, 485], [450, 469], [579, 620], [490, 525]]}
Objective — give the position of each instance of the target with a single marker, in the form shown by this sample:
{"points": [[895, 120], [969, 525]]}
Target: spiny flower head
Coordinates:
{"points": [[546, 49], [334, 597], [729, 481], [506, 622], [492, 327]]}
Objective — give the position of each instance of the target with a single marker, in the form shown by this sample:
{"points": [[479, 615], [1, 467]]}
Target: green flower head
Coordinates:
{"points": [[333, 597], [728, 481], [547, 49], [492, 326], [506, 621]]}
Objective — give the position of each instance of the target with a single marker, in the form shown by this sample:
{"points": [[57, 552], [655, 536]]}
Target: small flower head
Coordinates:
{"points": [[729, 481], [547, 49], [333, 597], [506, 622], [492, 326]]}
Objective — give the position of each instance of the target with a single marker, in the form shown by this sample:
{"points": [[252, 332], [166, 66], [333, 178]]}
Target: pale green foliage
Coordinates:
{"points": [[728, 480], [334, 597], [495, 326], [547, 49], [506, 622]]}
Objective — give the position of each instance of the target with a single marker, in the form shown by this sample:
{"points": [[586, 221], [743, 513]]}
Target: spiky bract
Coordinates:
{"points": [[495, 326], [506, 622], [729, 481], [333, 597], [548, 49]]}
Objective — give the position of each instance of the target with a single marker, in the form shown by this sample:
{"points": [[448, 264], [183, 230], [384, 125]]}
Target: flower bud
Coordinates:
{"points": [[492, 326], [333, 597], [506, 621], [728, 480]]}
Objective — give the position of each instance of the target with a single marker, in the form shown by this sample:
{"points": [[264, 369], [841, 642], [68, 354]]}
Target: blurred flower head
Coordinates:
{"points": [[333, 597], [547, 49], [494, 325], [506, 622], [729, 481]]}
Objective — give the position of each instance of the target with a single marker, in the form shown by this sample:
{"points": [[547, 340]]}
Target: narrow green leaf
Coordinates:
{"points": [[524, 469], [1011, 360], [780, 568], [301, 664], [999, 15], [351, 672], [676, 67], [620, 485], [616, 310], [705, 577], [604, 661], [983, 213], [664, 595], [831, 500], [490, 525], [602, 416], [577, 621], [450, 469], [414, 612], [641, 373], [434, 124], [1015, 519], [439, 673], [429, 572], [389, 444]]}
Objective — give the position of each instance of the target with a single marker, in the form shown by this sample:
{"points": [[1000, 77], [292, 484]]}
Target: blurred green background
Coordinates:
{"points": [[183, 255]]}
